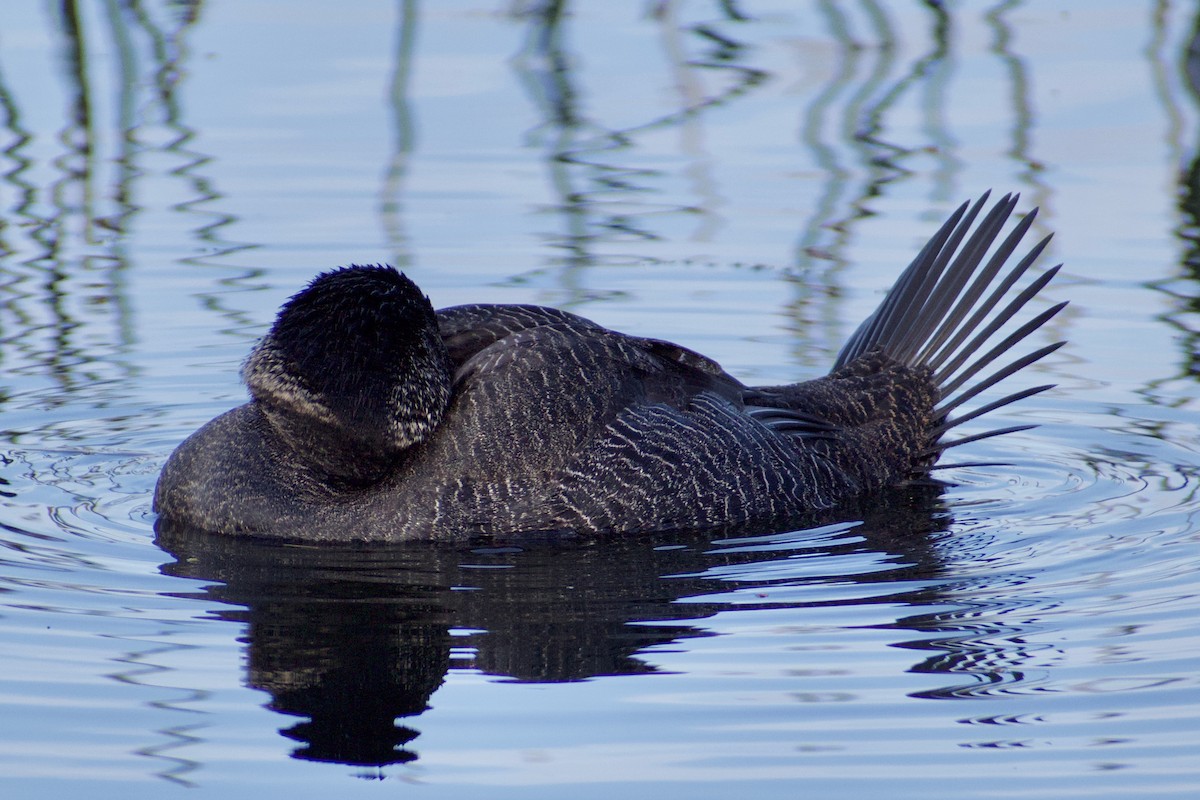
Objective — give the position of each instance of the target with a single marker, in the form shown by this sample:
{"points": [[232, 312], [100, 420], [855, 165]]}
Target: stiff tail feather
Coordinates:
{"points": [[948, 306]]}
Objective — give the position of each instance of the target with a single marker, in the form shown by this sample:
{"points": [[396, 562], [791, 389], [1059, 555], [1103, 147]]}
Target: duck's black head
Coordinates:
{"points": [[353, 371]]}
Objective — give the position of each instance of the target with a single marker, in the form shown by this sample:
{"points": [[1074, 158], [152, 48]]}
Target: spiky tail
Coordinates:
{"points": [[943, 312]]}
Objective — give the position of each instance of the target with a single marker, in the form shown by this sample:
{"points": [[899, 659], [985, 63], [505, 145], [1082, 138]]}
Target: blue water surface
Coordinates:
{"points": [[745, 177]]}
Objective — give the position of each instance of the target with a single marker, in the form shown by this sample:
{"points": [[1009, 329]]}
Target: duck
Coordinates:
{"points": [[374, 417]]}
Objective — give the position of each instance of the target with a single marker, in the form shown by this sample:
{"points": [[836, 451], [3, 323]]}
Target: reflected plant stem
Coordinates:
{"points": [[1162, 65], [815, 288], [1183, 290], [859, 126], [1023, 112], [544, 69], [126, 173], [20, 138], [691, 133], [78, 137], [126, 118], [934, 99], [391, 207], [170, 56], [574, 162], [139, 672], [732, 12], [1023, 115], [76, 168], [862, 119], [808, 247], [11, 288]]}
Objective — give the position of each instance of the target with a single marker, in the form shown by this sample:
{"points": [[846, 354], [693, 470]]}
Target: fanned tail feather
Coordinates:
{"points": [[947, 307]]}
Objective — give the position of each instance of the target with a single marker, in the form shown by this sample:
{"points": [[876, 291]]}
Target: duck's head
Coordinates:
{"points": [[353, 372]]}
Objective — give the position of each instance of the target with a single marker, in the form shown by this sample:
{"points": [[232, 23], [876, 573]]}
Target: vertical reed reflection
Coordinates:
{"points": [[77, 135], [543, 68], [863, 114], [690, 89], [141, 668], [68, 232], [404, 137], [71, 211], [45, 221], [829, 123], [207, 223], [849, 113], [875, 90], [847, 129], [601, 198], [14, 163], [1020, 103], [1185, 292]]}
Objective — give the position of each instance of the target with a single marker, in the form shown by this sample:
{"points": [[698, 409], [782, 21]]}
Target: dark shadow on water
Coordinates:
{"points": [[352, 638]]}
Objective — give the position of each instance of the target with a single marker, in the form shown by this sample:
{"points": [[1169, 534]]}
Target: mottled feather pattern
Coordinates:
{"points": [[375, 418]]}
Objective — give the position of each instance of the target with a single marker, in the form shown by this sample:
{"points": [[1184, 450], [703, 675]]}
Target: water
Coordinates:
{"points": [[170, 172]]}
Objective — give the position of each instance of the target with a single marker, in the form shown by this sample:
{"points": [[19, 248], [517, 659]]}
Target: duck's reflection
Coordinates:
{"points": [[353, 638]]}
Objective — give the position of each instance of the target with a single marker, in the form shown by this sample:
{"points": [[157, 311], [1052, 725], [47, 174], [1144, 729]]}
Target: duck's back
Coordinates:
{"points": [[557, 423], [539, 396]]}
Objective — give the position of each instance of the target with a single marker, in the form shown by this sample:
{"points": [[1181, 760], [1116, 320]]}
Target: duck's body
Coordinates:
{"points": [[375, 418]]}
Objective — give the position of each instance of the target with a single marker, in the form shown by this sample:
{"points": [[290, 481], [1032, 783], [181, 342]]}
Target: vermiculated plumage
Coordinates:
{"points": [[375, 418]]}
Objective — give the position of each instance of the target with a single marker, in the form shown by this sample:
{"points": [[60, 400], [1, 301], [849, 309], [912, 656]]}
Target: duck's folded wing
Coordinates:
{"points": [[467, 330], [710, 464], [500, 333]]}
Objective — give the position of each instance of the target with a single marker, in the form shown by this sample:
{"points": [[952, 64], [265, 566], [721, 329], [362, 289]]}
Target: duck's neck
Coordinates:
{"points": [[333, 456], [352, 431]]}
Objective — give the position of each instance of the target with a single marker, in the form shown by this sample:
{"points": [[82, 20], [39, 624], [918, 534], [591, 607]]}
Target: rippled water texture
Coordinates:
{"points": [[742, 177]]}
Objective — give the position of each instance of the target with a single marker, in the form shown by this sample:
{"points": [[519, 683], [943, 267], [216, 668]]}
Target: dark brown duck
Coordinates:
{"points": [[374, 417]]}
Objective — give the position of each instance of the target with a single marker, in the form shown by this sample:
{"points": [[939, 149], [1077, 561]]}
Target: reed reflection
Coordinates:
{"points": [[601, 196], [391, 195], [849, 128], [1186, 292], [70, 216], [350, 639]]}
